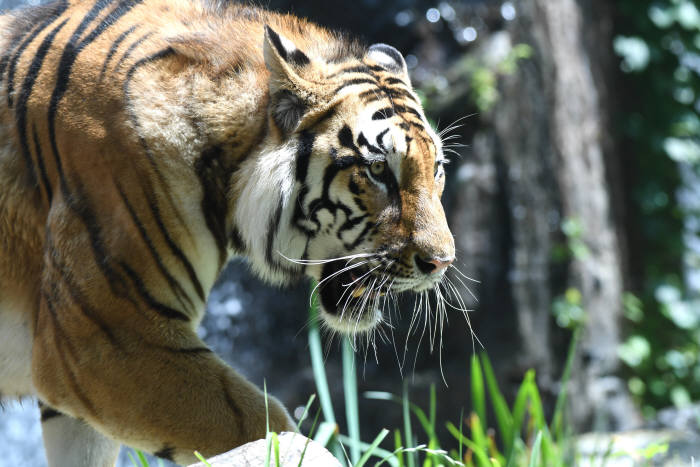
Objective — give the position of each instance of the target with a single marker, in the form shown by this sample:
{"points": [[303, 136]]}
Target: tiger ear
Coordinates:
{"points": [[290, 94], [388, 58]]}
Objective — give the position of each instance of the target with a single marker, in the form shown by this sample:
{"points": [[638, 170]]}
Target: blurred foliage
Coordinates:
{"points": [[658, 43]]}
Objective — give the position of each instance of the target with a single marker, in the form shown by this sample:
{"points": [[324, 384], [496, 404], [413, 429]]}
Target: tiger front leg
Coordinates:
{"points": [[165, 400]]}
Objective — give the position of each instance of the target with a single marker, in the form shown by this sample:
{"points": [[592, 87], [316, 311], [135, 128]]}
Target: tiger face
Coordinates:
{"points": [[362, 214]]}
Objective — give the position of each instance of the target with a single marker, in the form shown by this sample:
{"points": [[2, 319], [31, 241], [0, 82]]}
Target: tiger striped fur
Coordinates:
{"points": [[143, 144]]}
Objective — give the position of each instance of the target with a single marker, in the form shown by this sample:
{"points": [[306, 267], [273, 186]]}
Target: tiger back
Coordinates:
{"points": [[145, 143]]}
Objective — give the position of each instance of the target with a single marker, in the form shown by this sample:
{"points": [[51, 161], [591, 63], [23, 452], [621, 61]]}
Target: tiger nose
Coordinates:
{"points": [[432, 265]]}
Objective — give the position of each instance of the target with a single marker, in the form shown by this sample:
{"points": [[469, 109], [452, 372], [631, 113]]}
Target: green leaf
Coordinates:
{"points": [[519, 408], [352, 411], [371, 449], [306, 412], [477, 385], [326, 432], [504, 418], [482, 457], [535, 454], [202, 459], [560, 405], [478, 433], [397, 447], [407, 431], [315, 349]]}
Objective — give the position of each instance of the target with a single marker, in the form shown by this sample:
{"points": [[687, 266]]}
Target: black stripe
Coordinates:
{"points": [[236, 240], [295, 57], [380, 138], [49, 298], [152, 202], [354, 82], [155, 305], [350, 224], [381, 114], [122, 8], [59, 9], [48, 413], [298, 58], [407, 109], [214, 179], [392, 80], [77, 202], [5, 61], [113, 50], [355, 69], [70, 54], [304, 150], [371, 95], [174, 248], [362, 141], [347, 140], [74, 292], [174, 285], [25, 92], [42, 168], [167, 453], [132, 47], [271, 234]]}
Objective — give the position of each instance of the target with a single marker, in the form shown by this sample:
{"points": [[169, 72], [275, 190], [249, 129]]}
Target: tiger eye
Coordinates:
{"points": [[377, 168]]}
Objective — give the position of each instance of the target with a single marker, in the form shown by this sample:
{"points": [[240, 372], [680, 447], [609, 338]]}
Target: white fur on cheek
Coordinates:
{"points": [[264, 182]]}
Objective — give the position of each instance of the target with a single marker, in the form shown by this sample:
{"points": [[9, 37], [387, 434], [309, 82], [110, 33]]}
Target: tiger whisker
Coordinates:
{"points": [[329, 260], [326, 279]]}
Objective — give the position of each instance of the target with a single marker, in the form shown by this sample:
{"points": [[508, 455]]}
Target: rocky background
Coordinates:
{"points": [[573, 200]]}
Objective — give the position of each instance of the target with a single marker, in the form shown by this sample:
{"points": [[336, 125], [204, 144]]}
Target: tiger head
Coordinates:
{"points": [[358, 174]]}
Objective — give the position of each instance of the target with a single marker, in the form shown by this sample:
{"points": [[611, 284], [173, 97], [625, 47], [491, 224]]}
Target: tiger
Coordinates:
{"points": [[145, 143]]}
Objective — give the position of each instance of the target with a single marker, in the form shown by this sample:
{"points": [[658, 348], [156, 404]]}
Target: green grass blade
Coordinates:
{"points": [[276, 445], [482, 458], [268, 448], [504, 418], [519, 408], [478, 433], [142, 458], [311, 400], [537, 411], [407, 431], [461, 431], [388, 456], [559, 407], [311, 434], [536, 408], [433, 406], [370, 451], [535, 454], [397, 447], [267, 411], [133, 459], [477, 386], [351, 405], [326, 432], [317, 365], [202, 459]]}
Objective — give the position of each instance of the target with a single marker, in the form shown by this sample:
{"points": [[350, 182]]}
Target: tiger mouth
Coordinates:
{"points": [[349, 296]]}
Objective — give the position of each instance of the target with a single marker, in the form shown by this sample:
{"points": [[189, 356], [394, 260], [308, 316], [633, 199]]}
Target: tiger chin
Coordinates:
{"points": [[145, 143]]}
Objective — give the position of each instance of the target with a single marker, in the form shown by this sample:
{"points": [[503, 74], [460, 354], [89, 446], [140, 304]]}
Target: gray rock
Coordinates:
{"points": [[291, 447]]}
